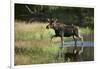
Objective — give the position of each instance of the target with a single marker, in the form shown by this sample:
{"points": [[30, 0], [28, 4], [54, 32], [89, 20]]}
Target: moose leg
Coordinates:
{"points": [[62, 44], [75, 41], [61, 54], [80, 38], [79, 55], [81, 50], [62, 39]]}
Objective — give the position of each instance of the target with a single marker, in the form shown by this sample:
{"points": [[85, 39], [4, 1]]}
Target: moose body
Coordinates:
{"points": [[63, 30]]}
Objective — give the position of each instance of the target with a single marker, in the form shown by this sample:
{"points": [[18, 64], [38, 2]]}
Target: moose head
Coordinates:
{"points": [[52, 23]]}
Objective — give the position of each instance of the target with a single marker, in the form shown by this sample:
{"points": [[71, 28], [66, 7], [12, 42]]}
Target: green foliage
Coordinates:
{"points": [[86, 30], [69, 15]]}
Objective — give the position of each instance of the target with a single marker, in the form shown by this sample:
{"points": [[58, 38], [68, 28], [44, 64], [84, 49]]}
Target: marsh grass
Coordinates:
{"points": [[35, 30], [86, 30], [32, 43]]}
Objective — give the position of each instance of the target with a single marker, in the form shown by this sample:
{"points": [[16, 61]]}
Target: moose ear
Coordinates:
{"points": [[52, 19], [56, 20], [48, 19]]}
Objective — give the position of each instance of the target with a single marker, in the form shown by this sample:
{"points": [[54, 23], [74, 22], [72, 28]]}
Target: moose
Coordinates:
{"points": [[63, 30]]}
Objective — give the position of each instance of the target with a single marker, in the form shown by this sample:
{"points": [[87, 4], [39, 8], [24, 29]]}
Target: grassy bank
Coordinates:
{"points": [[32, 43]]}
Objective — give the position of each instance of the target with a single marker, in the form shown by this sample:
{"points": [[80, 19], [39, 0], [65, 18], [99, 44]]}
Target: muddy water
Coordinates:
{"points": [[88, 44]]}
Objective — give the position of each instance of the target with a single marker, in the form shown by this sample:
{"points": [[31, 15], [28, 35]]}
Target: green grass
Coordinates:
{"points": [[37, 54], [32, 31], [86, 30], [32, 43]]}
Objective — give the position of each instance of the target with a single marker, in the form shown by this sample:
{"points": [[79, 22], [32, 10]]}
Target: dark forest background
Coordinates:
{"points": [[80, 16]]}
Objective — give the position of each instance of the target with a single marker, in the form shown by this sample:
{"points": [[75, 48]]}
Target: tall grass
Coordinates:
{"points": [[86, 30], [32, 43], [32, 31]]}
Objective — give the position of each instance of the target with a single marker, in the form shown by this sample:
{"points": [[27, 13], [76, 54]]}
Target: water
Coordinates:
{"points": [[79, 43]]}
